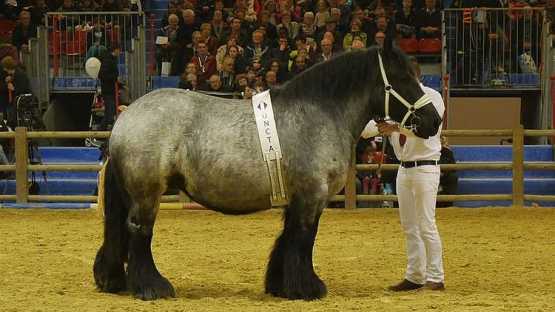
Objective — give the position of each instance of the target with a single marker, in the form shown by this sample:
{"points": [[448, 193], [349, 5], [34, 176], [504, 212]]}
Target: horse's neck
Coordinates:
{"points": [[350, 113]]}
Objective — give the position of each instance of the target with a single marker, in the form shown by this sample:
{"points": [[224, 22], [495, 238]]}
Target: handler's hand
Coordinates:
{"points": [[387, 128]]}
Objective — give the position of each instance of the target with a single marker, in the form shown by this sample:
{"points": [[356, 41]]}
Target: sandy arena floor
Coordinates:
{"points": [[496, 259]]}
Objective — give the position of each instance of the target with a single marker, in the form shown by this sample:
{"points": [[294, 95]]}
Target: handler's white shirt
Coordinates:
{"points": [[415, 148]]}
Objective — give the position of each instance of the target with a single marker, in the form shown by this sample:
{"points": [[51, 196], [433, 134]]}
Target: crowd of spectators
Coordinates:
{"points": [[245, 46]]}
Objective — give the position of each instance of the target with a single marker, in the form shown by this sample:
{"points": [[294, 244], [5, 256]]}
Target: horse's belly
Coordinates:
{"points": [[231, 192]]}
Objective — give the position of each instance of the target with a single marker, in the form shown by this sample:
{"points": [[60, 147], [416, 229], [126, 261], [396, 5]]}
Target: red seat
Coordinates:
{"points": [[55, 42], [429, 45], [408, 45], [76, 42]]}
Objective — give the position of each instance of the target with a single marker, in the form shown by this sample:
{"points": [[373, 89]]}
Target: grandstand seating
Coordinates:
{"points": [[422, 46]]}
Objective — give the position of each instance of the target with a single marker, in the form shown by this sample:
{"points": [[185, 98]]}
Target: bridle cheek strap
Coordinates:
{"points": [[411, 108]]}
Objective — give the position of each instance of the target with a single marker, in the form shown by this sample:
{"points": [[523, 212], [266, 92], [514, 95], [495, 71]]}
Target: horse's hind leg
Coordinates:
{"points": [[290, 272], [143, 279]]}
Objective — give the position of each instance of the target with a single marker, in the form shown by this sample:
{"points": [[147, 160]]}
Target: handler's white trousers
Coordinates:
{"points": [[417, 191]]}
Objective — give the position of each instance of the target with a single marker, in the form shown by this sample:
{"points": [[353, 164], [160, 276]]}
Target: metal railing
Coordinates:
{"points": [[495, 48], [72, 37]]}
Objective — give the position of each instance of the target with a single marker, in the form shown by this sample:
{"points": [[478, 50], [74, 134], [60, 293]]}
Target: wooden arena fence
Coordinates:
{"points": [[517, 165]]}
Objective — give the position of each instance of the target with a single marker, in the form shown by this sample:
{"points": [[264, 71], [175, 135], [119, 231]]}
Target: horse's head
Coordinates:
{"points": [[402, 98]]}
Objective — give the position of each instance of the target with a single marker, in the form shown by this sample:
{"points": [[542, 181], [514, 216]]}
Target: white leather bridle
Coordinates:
{"points": [[423, 100]]}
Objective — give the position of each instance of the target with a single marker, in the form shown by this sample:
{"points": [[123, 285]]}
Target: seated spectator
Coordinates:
{"points": [[188, 82], [208, 38], [187, 27], [88, 6], [428, 21], [354, 32], [38, 12], [357, 44], [241, 82], [322, 14], [240, 61], [379, 39], [406, 20], [271, 34], [227, 74], [301, 48], [238, 32], [167, 51], [308, 28], [381, 24], [214, 84], [270, 79], [282, 51], [367, 22], [67, 6], [172, 9], [280, 68], [257, 49], [326, 48], [337, 44], [299, 65], [97, 49], [344, 15], [24, 30], [111, 6], [336, 17], [331, 26], [13, 82], [185, 53], [270, 6], [218, 26], [205, 62], [291, 27], [224, 50]]}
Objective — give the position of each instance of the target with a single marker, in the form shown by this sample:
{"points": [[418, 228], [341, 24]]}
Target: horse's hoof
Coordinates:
{"points": [[153, 288], [315, 289], [108, 278]]}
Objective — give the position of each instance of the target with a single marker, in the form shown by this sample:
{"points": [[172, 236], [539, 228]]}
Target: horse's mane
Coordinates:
{"points": [[339, 78]]}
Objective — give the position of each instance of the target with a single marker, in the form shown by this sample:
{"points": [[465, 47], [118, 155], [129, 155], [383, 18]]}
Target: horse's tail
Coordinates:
{"points": [[108, 268], [116, 207]]}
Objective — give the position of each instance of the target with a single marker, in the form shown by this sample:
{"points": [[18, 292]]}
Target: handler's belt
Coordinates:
{"points": [[271, 149], [418, 163]]}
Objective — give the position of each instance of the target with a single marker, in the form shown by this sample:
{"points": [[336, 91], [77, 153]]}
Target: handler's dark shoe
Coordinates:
{"points": [[435, 286], [405, 285]]}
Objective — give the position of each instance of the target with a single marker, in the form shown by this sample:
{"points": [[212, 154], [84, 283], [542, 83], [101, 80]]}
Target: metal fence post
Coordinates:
{"points": [[21, 160], [350, 185], [518, 167]]}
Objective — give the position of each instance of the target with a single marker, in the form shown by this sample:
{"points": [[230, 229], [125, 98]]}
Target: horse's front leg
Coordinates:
{"points": [[290, 272], [143, 279]]}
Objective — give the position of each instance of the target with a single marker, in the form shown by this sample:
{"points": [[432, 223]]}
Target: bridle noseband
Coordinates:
{"points": [[422, 101]]}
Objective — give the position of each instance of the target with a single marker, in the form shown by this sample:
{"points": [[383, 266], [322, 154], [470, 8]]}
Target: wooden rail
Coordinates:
{"points": [[517, 165]]}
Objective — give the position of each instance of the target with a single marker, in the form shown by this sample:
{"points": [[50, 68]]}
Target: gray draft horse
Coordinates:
{"points": [[208, 147]]}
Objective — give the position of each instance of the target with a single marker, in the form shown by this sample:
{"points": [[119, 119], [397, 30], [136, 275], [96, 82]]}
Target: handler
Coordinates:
{"points": [[417, 186]]}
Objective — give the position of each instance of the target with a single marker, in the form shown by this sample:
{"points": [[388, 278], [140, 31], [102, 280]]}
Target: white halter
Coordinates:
{"points": [[389, 89]]}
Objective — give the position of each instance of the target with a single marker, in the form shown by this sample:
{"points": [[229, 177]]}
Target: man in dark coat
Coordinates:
{"points": [[108, 76], [24, 31]]}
